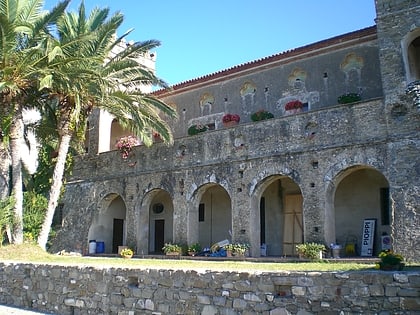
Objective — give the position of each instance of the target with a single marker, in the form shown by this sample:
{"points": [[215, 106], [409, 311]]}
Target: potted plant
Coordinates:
{"points": [[349, 98], [127, 253], [391, 260], [236, 249], [193, 249], [311, 251], [262, 114], [230, 120], [293, 107], [172, 249], [125, 145], [197, 128]]}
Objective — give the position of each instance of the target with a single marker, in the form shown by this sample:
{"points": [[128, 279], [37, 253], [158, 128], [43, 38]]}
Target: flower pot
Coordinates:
{"points": [[228, 253], [126, 256], [230, 123], [388, 267]]}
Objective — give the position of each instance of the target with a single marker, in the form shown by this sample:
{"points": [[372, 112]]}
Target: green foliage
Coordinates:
{"points": [[195, 129], [388, 257], [172, 248], [34, 208], [6, 216], [237, 248], [194, 248], [310, 250], [261, 115], [349, 98]]}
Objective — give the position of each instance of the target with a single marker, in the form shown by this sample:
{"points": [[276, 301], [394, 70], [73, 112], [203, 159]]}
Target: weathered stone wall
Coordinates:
{"points": [[90, 290], [343, 137]]}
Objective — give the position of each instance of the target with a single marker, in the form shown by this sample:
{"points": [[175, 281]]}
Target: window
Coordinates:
{"points": [[201, 212], [384, 200]]}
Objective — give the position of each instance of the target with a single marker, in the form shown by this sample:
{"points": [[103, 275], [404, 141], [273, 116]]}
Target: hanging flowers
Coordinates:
{"points": [[296, 104], [125, 145]]}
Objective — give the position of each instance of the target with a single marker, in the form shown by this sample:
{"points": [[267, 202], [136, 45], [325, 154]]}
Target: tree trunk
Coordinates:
{"points": [[16, 139], [57, 183]]}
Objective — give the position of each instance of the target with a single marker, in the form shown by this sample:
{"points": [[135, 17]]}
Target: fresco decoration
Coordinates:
{"points": [[247, 92], [206, 103], [297, 91], [352, 67]]}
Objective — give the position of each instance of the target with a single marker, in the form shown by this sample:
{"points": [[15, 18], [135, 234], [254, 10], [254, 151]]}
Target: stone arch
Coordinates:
{"points": [[155, 221], [410, 45], [355, 193], [209, 215], [109, 223], [277, 223]]}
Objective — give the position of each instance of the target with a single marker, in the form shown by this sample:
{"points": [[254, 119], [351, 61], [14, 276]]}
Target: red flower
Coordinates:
{"points": [[230, 117], [293, 105]]}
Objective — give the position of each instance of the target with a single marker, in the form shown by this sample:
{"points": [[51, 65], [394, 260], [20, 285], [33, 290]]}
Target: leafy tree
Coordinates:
{"points": [[92, 71]]}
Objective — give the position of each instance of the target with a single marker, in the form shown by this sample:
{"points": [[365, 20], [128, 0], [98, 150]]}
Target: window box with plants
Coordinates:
{"points": [[293, 107], [311, 251], [230, 120], [262, 114], [196, 129], [172, 249], [349, 98]]}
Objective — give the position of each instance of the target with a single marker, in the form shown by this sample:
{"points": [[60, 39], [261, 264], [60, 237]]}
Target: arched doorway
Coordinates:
{"points": [[160, 221], [281, 216], [109, 223], [214, 215], [362, 193]]}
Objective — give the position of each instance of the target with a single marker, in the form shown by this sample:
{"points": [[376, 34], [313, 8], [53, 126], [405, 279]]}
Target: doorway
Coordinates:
{"points": [[117, 234], [159, 235]]}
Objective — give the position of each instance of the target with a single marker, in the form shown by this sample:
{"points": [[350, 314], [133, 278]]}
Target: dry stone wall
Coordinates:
{"points": [[124, 291]]}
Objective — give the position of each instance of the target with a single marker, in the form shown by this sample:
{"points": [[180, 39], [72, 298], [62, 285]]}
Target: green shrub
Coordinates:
{"points": [[310, 250], [34, 208], [349, 98], [261, 115]]}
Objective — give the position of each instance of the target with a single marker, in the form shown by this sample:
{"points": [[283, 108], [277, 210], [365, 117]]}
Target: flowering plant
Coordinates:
{"points": [[413, 89], [195, 129], [349, 98], [296, 104], [390, 258], [230, 117], [261, 115], [125, 145], [127, 252]]}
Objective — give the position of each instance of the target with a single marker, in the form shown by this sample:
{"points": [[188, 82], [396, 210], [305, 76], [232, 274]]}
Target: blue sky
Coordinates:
{"points": [[200, 37]]}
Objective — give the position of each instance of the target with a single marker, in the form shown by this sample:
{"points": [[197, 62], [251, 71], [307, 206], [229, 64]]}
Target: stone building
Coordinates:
{"points": [[314, 175]]}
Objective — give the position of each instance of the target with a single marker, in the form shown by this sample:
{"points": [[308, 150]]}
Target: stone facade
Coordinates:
{"points": [[311, 176], [90, 290]]}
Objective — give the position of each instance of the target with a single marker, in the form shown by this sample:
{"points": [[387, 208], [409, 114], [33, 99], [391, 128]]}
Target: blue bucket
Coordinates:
{"points": [[100, 247]]}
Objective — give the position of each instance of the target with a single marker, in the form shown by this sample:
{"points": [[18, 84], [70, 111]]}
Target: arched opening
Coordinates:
{"points": [[281, 216], [117, 131], [160, 221], [362, 193], [214, 215], [411, 55], [109, 224]]}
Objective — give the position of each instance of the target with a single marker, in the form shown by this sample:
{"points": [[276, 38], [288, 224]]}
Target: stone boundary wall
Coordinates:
{"points": [[126, 291]]}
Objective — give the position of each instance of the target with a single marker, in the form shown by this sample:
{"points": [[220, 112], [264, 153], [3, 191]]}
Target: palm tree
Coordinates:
{"points": [[24, 33], [90, 72]]}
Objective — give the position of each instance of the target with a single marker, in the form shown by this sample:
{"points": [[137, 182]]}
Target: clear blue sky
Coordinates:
{"points": [[200, 37]]}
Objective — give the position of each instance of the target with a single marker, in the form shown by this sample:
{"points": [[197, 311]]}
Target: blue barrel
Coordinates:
{"points": [[100, 247]]}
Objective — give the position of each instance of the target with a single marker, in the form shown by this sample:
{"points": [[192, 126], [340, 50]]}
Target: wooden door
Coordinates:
{"points": [[293, 224]]}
